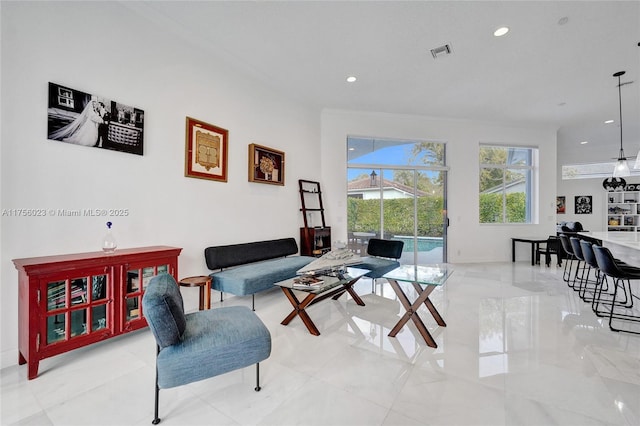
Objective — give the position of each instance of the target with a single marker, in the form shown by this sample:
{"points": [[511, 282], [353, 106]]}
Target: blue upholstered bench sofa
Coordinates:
{"points": [[249, 268]]}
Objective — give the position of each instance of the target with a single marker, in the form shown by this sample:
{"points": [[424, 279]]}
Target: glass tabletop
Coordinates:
{"points": [[326, 281], [433, 274]]}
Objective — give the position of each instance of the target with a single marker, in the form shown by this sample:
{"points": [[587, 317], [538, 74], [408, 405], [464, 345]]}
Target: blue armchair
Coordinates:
{"points": [[202, 344]]}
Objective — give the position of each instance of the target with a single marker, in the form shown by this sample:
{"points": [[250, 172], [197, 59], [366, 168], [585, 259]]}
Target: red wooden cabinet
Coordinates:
{"points": [[69, 301]]}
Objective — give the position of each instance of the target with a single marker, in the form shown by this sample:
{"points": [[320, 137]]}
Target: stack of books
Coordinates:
{"points": [[307, 282]]}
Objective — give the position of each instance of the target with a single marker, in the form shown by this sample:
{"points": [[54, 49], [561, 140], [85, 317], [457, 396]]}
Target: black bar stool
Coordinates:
{"points": [[621, 276], [578, 283], [571, 257], [590, 259]]}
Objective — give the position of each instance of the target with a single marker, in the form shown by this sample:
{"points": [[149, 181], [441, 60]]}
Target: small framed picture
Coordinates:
{"points": [[206, 151], [266, 165], [560, 204], [583, 204]]}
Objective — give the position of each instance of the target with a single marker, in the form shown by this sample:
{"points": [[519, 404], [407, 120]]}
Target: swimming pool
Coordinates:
{"points": [[424, 243]]}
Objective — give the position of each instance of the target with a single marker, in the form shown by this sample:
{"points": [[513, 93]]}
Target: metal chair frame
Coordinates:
{"points": [[621, 276], [566, 245]]}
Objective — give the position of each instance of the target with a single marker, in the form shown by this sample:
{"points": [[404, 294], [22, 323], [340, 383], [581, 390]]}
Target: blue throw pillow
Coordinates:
{"points": [[164, 310]]}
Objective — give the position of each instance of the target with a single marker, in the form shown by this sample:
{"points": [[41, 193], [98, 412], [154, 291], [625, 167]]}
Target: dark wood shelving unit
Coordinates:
{"points": [[314, 240]]}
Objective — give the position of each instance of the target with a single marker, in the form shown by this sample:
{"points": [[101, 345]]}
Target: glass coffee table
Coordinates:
{"points": [[334, 286], [425, 279]]}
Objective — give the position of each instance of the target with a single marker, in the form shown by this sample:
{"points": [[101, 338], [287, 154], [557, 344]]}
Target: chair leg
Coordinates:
{"points": [[156, 419], [568, 265], [585, 288], [626, 317], [582, 280], [600, 300], [257, 388], [253, 302], [575, 275]]}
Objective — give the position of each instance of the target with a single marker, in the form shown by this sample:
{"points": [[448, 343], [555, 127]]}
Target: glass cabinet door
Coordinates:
{"points": [[56, 302], [76, 306], [137, 279]]}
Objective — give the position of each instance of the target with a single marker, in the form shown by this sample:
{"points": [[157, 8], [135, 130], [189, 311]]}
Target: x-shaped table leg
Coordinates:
{"points": [[412, 310], [310, 299], [348, 287], [299, 310]]}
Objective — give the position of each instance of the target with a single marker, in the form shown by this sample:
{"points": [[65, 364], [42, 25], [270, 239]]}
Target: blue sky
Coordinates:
{"points": [[393, 155]]}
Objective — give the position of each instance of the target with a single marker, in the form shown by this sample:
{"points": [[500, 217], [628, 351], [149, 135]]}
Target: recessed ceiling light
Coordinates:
{"points": [[351, 79], [608, 122], [501, 31], [584, 142]]}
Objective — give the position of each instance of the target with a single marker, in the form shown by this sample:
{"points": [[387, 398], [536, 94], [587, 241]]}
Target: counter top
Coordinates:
{"points": [[626, 239]]}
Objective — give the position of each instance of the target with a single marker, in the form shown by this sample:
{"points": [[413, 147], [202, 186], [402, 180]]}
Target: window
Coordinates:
{"points": [[506, 184], [591, 170], [65, 97]]}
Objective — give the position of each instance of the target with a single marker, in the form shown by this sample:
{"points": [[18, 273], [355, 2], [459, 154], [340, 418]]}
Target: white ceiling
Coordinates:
{"points": [[540, 73]]}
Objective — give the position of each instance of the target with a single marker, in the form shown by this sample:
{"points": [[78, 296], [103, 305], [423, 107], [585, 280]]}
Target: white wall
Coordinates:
{"points": [[468, 240], [107, 50], [570, 151]]}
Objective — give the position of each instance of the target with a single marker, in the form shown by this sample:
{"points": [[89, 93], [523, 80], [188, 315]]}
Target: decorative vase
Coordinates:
{"points": [[109, 243]]}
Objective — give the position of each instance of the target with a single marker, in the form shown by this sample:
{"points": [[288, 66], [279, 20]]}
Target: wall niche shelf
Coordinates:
{"points": [[623, 211]]}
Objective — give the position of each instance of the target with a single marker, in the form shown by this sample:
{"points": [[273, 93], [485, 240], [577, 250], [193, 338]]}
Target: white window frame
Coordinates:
{"points": [[531, 184]]}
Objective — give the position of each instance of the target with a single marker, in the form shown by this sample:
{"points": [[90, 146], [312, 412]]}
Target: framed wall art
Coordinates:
{"points": [[560, 204], [266, 165], [206, 151], [584, 204], [614, 184], [86, 119]]}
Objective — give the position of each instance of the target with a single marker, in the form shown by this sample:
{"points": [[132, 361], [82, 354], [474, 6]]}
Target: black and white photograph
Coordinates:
{"points": [[584, 204], [95, 121]]}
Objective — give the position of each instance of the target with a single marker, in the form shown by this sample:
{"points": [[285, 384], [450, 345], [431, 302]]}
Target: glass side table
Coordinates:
{"points": [[332, 286], [425, 279]]}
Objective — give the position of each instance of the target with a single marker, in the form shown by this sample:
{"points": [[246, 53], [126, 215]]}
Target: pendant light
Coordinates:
{"points": [[622, 168]]}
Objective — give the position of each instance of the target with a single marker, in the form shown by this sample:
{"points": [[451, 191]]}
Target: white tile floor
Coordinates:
{"points": [[520, 348]]}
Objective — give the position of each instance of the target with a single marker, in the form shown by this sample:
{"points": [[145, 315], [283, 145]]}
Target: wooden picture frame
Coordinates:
{"points": [[266, 165], [206, 151]]}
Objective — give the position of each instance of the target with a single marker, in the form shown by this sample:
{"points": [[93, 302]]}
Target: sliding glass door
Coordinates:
{"points": [[396, 192]]}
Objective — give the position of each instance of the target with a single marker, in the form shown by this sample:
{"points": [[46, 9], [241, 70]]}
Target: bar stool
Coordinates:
{"points": [[566, 245], [577, 251], [621, 275], [590, 259]]}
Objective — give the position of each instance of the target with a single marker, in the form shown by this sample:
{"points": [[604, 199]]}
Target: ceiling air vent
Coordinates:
{"points": [[441, 51]]}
